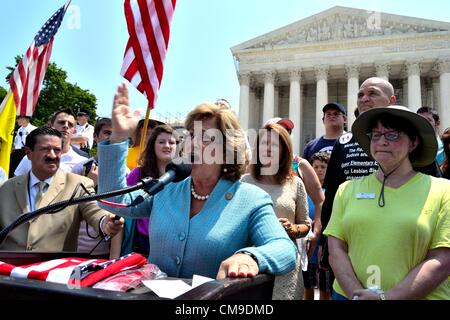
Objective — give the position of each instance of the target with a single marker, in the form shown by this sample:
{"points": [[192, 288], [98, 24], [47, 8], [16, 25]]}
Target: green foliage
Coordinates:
{"points": [[2, 93], [57, 93]]}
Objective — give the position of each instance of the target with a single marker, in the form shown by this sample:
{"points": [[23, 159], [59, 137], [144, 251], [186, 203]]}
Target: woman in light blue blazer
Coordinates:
{"points": [[209, 224]]}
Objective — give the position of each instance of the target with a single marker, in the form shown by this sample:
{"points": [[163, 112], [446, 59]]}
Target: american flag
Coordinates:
{"points": [[148, 23], [27, 78]]}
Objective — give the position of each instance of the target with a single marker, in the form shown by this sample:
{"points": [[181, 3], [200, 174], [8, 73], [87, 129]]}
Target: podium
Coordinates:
{"points": [[256, 288]]}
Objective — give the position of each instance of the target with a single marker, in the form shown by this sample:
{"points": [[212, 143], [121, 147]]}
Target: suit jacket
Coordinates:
{"points": [[47, 232]]}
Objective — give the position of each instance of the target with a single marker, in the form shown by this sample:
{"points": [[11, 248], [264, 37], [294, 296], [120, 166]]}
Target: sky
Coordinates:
{"points": [[199, 64]]}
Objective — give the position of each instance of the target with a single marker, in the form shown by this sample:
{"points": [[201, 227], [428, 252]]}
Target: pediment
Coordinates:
{"points": [[342, 23]]}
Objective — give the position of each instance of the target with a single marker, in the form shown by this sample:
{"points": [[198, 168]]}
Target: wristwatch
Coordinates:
{"points": [[251, 256]]}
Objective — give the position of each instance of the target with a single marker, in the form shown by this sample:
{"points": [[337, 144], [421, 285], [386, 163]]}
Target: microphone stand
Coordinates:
{"points": [[145, 184]]}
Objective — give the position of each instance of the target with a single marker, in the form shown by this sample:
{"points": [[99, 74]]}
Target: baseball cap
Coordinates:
{"points": [[285, 122], [82, 113], [335, 106]]}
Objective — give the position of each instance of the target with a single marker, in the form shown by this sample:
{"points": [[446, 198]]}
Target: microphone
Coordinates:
{"points": [[174, 173]]}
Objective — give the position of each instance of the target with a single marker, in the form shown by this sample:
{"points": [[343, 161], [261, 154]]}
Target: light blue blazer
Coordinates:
{"points": [[236, 216]]}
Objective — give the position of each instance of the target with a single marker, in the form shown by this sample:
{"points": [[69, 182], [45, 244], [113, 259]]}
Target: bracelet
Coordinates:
{"points": [[251, 255]]}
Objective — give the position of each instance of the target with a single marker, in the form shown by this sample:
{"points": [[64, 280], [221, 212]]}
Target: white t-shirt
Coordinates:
{"points": [[85, 130], [68, 161], [21, 135]]}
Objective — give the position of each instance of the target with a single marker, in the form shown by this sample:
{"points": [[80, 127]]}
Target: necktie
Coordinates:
{"points": [[41, 185]]}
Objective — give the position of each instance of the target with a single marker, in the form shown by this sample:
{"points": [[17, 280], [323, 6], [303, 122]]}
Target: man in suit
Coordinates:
{"points": [[43, 185]]}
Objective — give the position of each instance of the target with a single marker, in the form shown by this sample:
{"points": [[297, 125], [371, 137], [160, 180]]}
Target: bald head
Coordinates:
{"points": [[384, 85], [375, 93]]}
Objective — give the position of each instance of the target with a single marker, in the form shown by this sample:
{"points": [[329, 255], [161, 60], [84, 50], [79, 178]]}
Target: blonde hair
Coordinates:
{"points": [[232, 134]]}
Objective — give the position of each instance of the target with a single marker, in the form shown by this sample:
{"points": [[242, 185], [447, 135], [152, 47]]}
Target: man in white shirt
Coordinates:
{"points": [[63, 121], [83, 139], [25, 128]]}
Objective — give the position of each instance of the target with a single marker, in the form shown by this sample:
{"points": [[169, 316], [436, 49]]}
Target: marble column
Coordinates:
{"points": [[382, 70], [414, 89], [253, 119], [429, 92], [244, 100], [321, 73], [269, 95], [443, 67], [276, 101], [436, 94], [352, 92], [295, 108], [405, 92]]}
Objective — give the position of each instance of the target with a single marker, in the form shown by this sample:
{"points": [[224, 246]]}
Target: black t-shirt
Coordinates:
{"points": [[348, 161]]}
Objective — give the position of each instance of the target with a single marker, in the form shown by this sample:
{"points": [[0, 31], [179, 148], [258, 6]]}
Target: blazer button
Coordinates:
{"points": [[182, 236]]}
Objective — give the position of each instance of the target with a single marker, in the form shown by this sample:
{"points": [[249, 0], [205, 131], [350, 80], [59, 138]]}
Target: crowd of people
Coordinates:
{"points": [[360, 215]]}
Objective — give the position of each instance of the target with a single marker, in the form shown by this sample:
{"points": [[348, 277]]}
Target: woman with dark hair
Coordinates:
{"points": [[272, 172], [134, 151], [159, 151], [389, 233]]}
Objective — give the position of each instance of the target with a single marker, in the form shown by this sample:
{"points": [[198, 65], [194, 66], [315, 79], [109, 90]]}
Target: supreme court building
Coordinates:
{"points": [[295, 70]]}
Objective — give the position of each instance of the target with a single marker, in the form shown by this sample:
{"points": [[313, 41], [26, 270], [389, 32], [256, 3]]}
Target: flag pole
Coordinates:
{"points": [[144, 129]]}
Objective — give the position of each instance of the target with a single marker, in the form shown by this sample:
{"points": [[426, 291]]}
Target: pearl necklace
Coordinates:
{"points": [[197, 196]]}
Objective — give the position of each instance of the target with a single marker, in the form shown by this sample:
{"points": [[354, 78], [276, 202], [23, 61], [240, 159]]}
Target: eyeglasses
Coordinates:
{"points": [[389, 136]]}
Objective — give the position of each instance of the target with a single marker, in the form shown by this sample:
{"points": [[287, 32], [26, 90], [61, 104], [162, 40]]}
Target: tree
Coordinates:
{"points": [[57, 93], [2, 93]]}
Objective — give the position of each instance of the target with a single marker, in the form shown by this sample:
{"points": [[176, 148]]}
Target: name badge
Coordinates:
{"points": [[365, 196]]}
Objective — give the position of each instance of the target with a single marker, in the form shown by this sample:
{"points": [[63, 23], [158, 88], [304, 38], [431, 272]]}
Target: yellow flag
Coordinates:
{"points": [[7, 123]]}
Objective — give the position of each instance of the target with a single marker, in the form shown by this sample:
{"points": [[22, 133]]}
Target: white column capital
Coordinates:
{"points": [[321, 72], [245, 78], [269, 76], [413, 67], [442, 66], [382, 69], [295, 74], [352, 70]]}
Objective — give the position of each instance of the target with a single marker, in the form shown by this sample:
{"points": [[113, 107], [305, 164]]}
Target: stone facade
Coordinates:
{"points": [[295, 70]]}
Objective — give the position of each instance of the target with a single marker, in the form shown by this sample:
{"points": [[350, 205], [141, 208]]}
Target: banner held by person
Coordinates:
{"points": [[148, 23], [7, 122]]}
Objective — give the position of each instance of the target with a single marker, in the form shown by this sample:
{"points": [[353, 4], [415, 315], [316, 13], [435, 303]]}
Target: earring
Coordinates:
{"points": [[225, 170]]}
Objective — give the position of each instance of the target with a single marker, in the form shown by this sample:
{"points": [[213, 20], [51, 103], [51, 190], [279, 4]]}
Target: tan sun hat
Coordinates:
{"points": [[427, 148]]}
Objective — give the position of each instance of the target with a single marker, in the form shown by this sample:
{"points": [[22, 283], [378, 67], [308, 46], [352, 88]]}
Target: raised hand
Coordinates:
{"points": [[124, 122]]}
